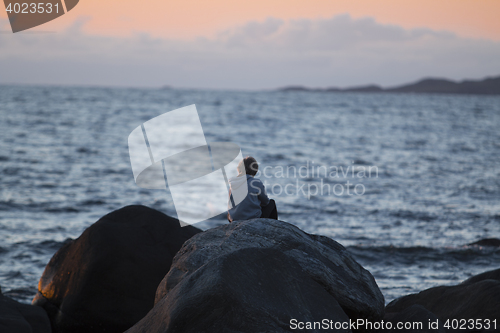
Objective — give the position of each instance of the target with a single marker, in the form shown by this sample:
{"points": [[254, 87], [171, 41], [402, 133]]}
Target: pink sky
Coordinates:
{"points": [[256, 44], [191, 18]]}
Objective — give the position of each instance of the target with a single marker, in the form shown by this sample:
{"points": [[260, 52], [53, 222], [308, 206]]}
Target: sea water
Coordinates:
{"points": [[403, 181]]}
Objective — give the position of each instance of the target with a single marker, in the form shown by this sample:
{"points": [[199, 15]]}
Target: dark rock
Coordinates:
{"points": [[476, 298], [489, 275], [247, 290], [327, 261], [417, 318], [16, 317], [105, 281], [259, 266], [493, 242]]}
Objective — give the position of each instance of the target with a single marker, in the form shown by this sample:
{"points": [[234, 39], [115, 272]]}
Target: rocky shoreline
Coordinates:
{"points": [[137, 270]]}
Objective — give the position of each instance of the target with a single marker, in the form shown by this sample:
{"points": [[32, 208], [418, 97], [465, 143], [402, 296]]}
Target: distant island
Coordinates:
{"points": [[487, 86]]}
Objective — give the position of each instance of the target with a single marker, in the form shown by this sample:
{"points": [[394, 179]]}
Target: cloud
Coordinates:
{"points": [[324, 34], [340, 51]]}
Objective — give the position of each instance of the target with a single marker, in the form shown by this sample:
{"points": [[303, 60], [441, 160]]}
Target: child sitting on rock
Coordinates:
{"points": [[256, 204]]}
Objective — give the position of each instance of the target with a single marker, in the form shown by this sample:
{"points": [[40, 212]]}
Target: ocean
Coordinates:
{"points": [[403, 181]]}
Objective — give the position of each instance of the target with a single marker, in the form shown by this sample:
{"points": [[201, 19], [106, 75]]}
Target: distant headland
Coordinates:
{"points": [[487, 86]]}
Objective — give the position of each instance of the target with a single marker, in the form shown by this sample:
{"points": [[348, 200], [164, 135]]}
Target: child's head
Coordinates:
{"points": [[248, 166]]}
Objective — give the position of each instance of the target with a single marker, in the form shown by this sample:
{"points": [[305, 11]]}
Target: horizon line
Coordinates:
{"points": [[297, 86]]}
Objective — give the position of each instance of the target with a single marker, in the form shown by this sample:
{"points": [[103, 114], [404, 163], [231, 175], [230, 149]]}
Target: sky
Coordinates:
{"points": [[241, 44]]}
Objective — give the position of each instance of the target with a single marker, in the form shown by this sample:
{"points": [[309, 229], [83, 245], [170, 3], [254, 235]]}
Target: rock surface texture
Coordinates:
{"points": [[258, 276], [105, 280], [476, 298], [16, 317]]}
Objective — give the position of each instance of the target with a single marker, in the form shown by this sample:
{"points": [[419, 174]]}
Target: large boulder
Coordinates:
{"points": [[258, 276], [248, 290], [105, 280], [16, 317], [489, 275], [493, 242], [475, 298], [413, 319]]}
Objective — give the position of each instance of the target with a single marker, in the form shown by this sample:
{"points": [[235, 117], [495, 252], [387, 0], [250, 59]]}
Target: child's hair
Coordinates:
{"points": [[248, 165]]}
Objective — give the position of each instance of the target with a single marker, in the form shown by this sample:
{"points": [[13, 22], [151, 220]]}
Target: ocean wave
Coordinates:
{"points": [[422, 254]]}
